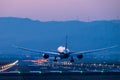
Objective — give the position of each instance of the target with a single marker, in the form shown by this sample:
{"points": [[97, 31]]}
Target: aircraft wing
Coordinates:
{"points": [[36, 51], [96, 50]]}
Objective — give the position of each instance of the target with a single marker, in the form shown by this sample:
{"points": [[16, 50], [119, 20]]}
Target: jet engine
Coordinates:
{"points": [[80, 56], [45, 56]]}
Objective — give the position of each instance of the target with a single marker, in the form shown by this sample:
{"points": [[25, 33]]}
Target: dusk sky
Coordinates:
{"points": [[60, 10]]}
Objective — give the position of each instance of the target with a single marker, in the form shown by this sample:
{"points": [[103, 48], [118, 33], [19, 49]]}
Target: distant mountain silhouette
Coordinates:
{"points": [[49, 35]]}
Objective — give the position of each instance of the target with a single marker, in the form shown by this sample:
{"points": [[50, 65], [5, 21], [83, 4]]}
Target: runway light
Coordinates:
{"points": [[19, 72], [61, 72], [81, 72], [102, 71], [39, 72]]}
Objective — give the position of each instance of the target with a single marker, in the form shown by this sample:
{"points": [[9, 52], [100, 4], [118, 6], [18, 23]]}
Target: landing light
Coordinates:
{"points": [[61, 49]]}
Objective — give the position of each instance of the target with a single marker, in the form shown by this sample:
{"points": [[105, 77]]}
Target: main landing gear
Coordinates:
{"points": [[72, 60], [55, 60]]}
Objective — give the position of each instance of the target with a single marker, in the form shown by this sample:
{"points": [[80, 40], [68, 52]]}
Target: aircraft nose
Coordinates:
{"points": [[65, 51]]}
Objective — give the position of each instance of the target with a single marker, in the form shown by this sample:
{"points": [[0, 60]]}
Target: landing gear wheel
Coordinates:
{"points": [[71, 60], [55, 60]]}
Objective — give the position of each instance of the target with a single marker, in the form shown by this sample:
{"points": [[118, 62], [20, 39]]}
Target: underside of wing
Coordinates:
{"points": [[92, 51], [36, 51]]}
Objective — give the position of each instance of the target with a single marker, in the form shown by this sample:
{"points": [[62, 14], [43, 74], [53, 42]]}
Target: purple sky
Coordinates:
{"points": [[47, 10]]}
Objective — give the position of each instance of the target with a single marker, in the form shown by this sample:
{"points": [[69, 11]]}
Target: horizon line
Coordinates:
{"points": [[60, 20]]}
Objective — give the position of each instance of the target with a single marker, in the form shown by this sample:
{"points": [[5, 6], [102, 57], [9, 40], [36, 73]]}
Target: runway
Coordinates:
{"points": [[60, 76]]}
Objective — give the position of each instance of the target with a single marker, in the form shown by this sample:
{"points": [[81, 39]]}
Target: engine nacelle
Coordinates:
{"points": [[45, 56], [80, 56]]}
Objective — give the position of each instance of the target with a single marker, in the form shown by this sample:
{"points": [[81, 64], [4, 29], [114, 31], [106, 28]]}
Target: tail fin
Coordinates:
{"points": [[66, 44]]}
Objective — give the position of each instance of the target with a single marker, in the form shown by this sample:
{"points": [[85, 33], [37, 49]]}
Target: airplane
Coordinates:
{"points": [[64, 53]]}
